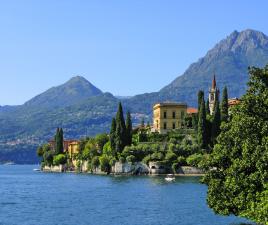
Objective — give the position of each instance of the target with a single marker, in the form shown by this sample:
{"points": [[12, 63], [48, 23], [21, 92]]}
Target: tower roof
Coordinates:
{"points": [[214, 82]]}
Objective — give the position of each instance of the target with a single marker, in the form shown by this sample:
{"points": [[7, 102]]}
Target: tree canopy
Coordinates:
{"points": [[238, 182]]}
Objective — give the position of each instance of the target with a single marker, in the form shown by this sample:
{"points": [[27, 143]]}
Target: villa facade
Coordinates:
{"points": [[168, 116]]}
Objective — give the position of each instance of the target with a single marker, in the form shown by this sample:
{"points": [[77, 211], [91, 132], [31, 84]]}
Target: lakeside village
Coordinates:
{"points": [[178, 142]]}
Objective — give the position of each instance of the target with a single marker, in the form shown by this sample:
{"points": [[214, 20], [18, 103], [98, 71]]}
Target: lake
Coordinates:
{"points": [[33, 198]]}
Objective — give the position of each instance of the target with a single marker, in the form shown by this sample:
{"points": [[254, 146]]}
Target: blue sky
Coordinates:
{"points": [[124, 47]]}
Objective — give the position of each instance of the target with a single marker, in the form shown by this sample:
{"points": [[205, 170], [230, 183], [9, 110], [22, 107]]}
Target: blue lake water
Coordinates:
{"points": [[33, 198]]}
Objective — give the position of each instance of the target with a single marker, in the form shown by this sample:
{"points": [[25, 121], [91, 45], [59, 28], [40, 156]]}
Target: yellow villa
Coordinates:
{"points": [[168, 116]]}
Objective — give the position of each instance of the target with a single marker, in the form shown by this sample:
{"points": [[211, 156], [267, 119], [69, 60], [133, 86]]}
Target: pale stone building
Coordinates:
{"points": [[168, 116]]}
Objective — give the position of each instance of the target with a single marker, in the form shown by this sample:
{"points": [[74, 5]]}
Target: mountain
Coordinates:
{"points": [[229, 60], [76, 89], [82, 109]]}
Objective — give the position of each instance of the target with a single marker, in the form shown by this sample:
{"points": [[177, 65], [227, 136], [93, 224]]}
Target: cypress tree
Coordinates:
{"points": [[216, 123], [113, 135], [201, 131], [200, 98], [120, 134], [207, 107], [61, 147], [56, 140], [128, 129], [224, 105]]}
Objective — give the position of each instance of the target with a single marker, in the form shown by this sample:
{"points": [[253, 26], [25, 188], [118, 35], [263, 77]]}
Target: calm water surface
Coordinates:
{"points": [[33, 198]]}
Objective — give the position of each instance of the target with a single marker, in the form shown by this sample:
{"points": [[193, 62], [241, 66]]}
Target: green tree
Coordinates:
{"points": [[113, 135], [59, 159], [40, 151], [224, 105], [207, 107], [216, 123], [61, 147], [201, 132], [120, 133], [194, 160], [128, 129], [48, 157], [107, 150], [238, 183], [59, 141], [100, 141], [200, 99], [105, 163], [95, 162]]}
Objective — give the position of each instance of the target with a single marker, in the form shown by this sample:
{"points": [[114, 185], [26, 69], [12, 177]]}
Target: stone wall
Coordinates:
{"points": [[55, 169], [138, 168], [189, 170], [157, 168], [130, 168]]}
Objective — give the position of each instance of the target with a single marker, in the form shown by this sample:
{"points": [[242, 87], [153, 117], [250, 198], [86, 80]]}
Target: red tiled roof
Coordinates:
{"points": [[233, 101], [191, 110]]}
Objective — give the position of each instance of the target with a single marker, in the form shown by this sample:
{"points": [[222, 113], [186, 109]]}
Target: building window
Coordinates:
{"points": [[165, 126], [165, 115], [174, 126], [173, 115]]}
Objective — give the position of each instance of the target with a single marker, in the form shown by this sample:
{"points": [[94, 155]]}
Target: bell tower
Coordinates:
{"points": [[213, 93]]}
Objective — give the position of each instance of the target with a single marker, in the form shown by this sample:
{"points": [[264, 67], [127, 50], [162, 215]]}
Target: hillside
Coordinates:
{"points": [[82, 109]]}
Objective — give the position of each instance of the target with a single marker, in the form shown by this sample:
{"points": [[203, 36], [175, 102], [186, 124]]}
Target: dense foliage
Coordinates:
{"points": [[238, 182], [53, 154]]}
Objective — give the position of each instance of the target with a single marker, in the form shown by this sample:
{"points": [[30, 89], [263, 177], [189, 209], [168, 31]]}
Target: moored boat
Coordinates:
{"points": [[170, 177]]}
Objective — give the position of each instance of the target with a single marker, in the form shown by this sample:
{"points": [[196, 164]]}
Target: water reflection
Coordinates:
{"points": [[158, 180]]}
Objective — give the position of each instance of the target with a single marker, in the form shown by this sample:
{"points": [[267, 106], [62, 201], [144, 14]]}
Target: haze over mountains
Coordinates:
{"points": [[83, 109]]}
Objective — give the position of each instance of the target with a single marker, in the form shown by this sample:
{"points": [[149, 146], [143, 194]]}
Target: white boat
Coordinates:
{"points": [[9, 163], [170, 177], [36, 170]]}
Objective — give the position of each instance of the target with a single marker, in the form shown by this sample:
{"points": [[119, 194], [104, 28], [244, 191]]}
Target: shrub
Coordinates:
{"points": [[59, 159], [101, 140], [112, 161], [40, 151], [170, 156], [146, 159], [175, 167], [194, 160], [122, 159], [48, 157], [157, 156], [131, 159], [173, 141], [107, 149], [105, 163], [181, 161], [95, 162]]}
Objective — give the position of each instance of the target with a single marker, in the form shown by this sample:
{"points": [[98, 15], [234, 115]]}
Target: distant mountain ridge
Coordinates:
{"points": [[83, 109], [74, 90]]}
